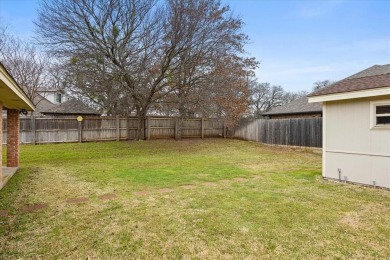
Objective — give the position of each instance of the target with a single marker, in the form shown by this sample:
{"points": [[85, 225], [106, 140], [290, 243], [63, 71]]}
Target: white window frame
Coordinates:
{"points": [[58, 98], [373, 105]]}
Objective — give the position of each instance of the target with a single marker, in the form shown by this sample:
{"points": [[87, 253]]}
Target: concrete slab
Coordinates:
{"points": [[8, 172]]}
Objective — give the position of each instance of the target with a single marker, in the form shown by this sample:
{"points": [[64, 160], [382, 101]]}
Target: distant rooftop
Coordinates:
{"points": [[71, 107], [376, 76], [42, 104], [298, 106]]}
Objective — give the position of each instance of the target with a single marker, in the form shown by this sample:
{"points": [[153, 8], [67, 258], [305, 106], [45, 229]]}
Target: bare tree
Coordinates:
{"points": [[321, 84], [25, 63], [138, 53], [265, 97], [291, 96], [211, 37], [3, 34]]}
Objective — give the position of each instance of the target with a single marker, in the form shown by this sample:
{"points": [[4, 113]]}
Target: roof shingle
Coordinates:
{"points": [[72, 107], [374, 77], [298, 106]]}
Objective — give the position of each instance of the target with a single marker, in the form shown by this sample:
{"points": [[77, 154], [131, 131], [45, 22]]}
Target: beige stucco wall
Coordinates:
{"points": [[351, 144]]}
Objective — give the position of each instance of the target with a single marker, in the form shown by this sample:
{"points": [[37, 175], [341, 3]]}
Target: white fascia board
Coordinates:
{"points": [[350, 95], [14, 87]]}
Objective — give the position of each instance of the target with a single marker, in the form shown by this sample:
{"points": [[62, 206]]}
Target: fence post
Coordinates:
{"points": [[202, 127], [148, 128], [177, 128], [33, 130], [127, 128], [117, 126], [80, 128], [224, 130]]}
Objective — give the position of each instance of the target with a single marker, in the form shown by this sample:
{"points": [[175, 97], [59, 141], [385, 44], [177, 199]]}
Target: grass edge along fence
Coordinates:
{"points": [[305, 132], [39, 130]]}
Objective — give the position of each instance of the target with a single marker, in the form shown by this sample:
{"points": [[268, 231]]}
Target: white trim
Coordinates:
{"points": [[373, 115], [324, 139], [14, 87], [350, 95], [357, 153]]}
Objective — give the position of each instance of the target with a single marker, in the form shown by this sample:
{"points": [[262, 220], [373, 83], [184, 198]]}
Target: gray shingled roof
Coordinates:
{"points": [[372, 71], [71, 107], [298, 106], [374, 77], [41, 104]]}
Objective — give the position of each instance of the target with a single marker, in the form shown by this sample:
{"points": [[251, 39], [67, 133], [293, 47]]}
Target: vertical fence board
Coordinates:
{"points": [[294, 132], [67, 129]]}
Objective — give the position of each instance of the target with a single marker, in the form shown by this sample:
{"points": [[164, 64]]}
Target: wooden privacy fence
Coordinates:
{"points": [[294, 132], [35, 130]]}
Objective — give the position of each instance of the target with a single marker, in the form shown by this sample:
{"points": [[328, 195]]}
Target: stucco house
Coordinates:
{"points": [[14, 100], [356, 127], [299, 108], [54, 95]]}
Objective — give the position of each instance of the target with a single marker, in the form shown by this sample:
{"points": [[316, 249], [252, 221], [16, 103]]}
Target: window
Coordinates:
{"points": [[58, 97], [380, 114]]}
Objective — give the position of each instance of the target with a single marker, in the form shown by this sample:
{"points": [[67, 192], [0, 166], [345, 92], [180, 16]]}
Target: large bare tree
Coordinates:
{"points": [[265, 97], [25, 63], [136, 54]]}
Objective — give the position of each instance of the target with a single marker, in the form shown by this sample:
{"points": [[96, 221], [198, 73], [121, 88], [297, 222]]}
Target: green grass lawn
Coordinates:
{"points": [[246, 200]]}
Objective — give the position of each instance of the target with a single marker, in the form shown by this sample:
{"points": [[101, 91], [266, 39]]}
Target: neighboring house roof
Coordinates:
{"points": [[11, 94], [374, 77], [42, 104], [298, 106], [71, 107]]}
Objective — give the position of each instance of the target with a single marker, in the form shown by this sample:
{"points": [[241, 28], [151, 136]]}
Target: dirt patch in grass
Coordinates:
{"points": [[107, 197], [33, 208], [77, 200], [225, 181], [141, 193], [188, 187], [351, 219], [209, 184], [239, 179], [3, 213], [165, 190]]}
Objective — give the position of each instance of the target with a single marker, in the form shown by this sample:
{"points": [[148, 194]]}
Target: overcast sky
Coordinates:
{"points": [[297, 42]]}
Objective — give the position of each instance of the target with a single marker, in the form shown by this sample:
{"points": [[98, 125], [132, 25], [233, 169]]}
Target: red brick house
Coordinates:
{"points": [[14, 100]]}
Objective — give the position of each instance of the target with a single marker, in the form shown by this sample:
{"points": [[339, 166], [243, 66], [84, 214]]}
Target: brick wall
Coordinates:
{"points": [[12, 138]]}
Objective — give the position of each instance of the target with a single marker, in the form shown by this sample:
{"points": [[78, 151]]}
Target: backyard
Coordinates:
{"points": [[212, 198]]}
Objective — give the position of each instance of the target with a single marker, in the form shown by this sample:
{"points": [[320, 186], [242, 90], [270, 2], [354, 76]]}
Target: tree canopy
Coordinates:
{"points": [[186, 57]]}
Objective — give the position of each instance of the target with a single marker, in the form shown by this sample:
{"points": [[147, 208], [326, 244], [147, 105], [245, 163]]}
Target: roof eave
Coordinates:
{"points": [[293, 113], [381, 91], [12, 85]]}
